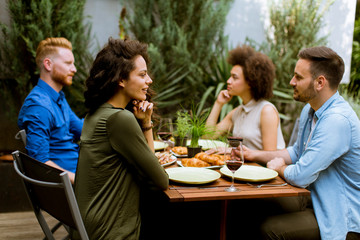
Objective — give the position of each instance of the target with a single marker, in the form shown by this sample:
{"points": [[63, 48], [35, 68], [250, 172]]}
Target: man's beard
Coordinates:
{"points": [[61, 78], [306, 95]]}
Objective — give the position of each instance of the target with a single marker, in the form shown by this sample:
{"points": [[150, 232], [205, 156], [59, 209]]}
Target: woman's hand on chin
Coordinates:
{"points": [[223, 97], [143, 110]]}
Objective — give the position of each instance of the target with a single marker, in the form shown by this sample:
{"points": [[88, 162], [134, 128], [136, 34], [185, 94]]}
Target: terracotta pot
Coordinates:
{"points": [[192, 151], [180, 141]]}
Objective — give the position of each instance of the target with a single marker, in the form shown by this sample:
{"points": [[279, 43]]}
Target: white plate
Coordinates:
{"points": [[210, 167], [208, 144], [173, 159], [251, 173], [158, 145], [191, 175]]}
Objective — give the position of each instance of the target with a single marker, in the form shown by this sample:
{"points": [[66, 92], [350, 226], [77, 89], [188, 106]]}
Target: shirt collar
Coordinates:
{"points": [[325, 106], [55, 96], [249, 106]]}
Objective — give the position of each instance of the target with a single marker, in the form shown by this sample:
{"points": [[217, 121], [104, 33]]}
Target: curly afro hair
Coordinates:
{"points": [[258, 69]]}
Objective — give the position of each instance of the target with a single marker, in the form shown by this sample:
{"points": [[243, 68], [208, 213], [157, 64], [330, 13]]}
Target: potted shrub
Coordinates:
{"points": [[197, 130], [183, 127]]}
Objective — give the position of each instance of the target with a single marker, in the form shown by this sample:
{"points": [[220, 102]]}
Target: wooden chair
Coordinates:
{"points": [[49, 189]]}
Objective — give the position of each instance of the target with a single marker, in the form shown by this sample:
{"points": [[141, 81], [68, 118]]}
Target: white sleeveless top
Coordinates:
{"points": [[246, 124]]}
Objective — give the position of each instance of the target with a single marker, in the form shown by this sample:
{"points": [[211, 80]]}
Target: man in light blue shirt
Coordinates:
{"points": [[51, 126], [326, 156]]}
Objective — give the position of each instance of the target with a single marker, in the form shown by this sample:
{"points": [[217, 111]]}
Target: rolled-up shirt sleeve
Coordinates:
{"points": [[37, 123], [293, 152], [330, 140]]}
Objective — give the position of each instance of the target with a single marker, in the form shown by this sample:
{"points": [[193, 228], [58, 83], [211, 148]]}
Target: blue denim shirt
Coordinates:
{"points": [[51, 127], [329, 166]]}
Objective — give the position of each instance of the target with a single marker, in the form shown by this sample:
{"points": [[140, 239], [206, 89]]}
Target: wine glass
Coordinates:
{"points": [[232, 161], [165, 130]]}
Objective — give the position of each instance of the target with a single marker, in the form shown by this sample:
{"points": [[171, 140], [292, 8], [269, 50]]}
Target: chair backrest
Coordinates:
{"points": [[49, 189], [21, 135]]}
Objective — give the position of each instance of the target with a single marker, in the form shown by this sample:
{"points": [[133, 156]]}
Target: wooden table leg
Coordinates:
{"points": [[223, 209]]}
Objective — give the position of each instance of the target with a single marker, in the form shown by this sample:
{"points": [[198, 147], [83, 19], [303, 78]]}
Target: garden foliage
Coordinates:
{"points": [[353, 88], [183, 38], [31, 22]]}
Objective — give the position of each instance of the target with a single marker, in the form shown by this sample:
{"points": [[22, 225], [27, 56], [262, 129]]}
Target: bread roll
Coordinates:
{"points": [[180, 150], [194, 162], [213, 159]]}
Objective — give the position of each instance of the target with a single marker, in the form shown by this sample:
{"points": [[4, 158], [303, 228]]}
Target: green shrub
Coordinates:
{"points": [[348, 96], [31, 22], [353, 87], [182, 34]]}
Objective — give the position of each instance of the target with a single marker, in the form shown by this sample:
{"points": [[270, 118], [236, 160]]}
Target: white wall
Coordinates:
{"points": [[247, 18], [104, 16]]}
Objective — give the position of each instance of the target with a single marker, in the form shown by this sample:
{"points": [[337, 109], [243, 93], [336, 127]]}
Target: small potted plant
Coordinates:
{"points": [[198, 129], [183, 127]]}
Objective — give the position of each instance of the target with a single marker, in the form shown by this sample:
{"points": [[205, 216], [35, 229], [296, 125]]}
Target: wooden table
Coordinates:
{"points": [[215, 191]]}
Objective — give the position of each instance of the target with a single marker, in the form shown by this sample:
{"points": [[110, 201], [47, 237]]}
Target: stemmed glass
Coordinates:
{"points": [[165, 130], [232, 161]]}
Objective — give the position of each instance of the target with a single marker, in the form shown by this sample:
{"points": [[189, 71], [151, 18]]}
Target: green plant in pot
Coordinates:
{"points": [[183, 127], [197, 130]]}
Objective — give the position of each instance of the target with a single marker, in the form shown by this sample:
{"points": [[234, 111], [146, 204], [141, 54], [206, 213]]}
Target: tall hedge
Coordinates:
{"points": [[31, 22], [183, 35]]}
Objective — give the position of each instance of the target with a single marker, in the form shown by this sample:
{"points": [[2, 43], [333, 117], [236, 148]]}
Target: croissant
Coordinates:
{"points": [[180, 150], [213, 159], [194, 162], [222, 159]]}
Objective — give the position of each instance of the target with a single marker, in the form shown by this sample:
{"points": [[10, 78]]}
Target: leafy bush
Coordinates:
{"points": [[348, 96], [353, 88], [182, 34], [31, 22]]}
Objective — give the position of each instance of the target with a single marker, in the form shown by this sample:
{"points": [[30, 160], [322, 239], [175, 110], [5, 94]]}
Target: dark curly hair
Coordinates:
{"points": [[258, 69], [114, 62]]}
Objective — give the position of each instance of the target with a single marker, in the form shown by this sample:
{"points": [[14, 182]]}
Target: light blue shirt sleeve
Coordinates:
{"points": [[327, 144]]}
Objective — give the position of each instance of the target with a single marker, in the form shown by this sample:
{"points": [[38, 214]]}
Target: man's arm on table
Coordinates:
{"points": [[276, 160]]}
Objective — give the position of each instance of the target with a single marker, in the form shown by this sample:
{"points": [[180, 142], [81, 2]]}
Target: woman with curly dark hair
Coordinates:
{"points": [[256, 119], [116, 156]]}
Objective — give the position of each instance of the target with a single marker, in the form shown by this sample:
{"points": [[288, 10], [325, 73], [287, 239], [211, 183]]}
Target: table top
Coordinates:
{"points": [[215, 190]]}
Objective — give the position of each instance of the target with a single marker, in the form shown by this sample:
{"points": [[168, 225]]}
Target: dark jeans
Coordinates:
{"points": [[295, 225]]}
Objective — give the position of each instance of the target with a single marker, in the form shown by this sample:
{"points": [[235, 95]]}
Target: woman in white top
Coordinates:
{"points": [[255, 120]]}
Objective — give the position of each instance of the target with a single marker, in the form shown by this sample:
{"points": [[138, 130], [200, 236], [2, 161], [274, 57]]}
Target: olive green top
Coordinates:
{"points": [[114, 162]]}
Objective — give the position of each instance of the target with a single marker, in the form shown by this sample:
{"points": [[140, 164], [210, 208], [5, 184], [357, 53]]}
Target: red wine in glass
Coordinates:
{"points": [[233, 165], [165, 136]]}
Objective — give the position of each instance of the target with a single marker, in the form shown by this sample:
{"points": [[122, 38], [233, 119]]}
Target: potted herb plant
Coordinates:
{"points": [[197, 130], [183, 127]]}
